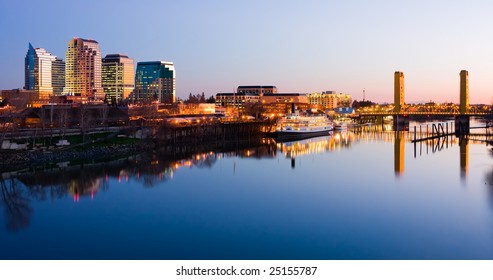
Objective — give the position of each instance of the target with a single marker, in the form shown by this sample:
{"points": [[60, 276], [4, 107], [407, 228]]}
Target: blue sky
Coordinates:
{"points": [[298, 46]]}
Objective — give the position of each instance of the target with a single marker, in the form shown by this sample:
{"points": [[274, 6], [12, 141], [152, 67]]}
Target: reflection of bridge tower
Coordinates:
{"points": [[464, 157], [399, 153], [398, 91]]}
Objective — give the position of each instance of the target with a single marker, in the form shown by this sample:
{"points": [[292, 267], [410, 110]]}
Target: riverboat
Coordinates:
{"points": [[340, 125], [300, 126]]}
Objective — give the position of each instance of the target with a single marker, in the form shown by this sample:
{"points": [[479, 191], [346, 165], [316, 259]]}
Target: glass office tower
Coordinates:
{"points": [[118, 77], [38, 71], [58, 76], [155, 81], [83, 71]]}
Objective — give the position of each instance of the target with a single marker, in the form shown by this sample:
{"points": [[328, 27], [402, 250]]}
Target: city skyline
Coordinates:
{"points": [[305, 47]]}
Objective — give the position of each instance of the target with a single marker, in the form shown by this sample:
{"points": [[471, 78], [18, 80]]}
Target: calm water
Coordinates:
{"points": [[349, 196]]}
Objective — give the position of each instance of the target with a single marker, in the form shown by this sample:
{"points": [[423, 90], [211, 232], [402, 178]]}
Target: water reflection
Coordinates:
{"points": [[464, 157], [399, 153], [439, 144], [338, 140], [152, 169], [16, 206], [489, 181], [149, 169]]}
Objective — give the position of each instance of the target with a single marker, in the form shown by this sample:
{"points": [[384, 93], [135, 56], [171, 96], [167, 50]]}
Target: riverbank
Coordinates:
{"points": [[13, 160], [110, 145]]}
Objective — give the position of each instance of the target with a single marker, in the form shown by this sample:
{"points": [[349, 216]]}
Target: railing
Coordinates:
{"points": [[432, 131], [422, 113]]}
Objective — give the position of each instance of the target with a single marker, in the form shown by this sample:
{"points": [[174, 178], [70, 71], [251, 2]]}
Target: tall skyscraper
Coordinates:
{"points": [[398, 91], [39, 71], [118, 77], [155, 81], [58, 76], [83, 71]]}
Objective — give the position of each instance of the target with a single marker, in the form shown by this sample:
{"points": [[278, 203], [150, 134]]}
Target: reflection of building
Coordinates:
{"points": [[399, 153], [39, 72], [83, 71], [83, 186], [398, 91], [118, 77], [155, 81]]}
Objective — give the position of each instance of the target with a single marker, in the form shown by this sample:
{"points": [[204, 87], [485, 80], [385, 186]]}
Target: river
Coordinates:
{"points": [[369, 194]]}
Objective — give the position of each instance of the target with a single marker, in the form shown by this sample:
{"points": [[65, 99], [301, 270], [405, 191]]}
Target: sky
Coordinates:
{"points": [[299, 46]]}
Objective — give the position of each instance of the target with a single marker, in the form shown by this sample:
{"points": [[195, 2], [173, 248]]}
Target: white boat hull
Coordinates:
{"points": [[293, 135]]}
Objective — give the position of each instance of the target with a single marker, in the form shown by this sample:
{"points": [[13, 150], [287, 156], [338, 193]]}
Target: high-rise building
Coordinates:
{"points": [[83, 71], [155, 81], [398, 91], [38, 71], [58, 76], [118, 77]]}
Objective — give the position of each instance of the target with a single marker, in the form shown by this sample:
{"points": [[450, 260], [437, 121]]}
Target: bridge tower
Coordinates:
{"points": [[401, 122], [398, 91], [464, 92], [462, 120]]}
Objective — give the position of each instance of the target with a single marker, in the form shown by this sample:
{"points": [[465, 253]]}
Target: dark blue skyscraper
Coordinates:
{"points": [[29, 68], [155, 81]]}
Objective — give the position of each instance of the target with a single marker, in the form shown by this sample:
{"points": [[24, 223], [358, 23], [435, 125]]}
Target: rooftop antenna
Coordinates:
{"points": [[363, 94]]}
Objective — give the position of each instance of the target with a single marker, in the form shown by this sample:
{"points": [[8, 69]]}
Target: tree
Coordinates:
{"points": [[103, 114], [255, 109], [360, 104], [345, 103], [62, 120], [190, 98], [16, 206], [211, 99], [199, 98], [85, 120]]}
